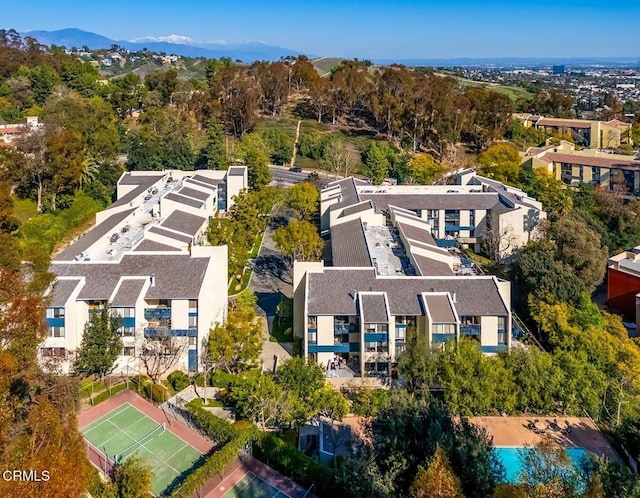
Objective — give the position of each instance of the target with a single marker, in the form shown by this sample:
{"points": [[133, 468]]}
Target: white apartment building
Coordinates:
{"points": [[148, 258], [391, 264]]}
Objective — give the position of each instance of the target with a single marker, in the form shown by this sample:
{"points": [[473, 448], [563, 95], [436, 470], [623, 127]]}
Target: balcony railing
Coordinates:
{"points": [[470, 329], [341, 329], [157, 313], [165, 331]]}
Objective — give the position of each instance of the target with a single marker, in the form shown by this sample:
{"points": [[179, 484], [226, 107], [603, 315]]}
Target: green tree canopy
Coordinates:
{"points": [[298, 241], [303, 199], [101, 344], [255, 153], [133, 479]]}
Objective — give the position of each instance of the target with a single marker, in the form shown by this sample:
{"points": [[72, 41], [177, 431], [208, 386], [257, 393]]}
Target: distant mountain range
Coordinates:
{"points": [[172, 45], [251, 51]]}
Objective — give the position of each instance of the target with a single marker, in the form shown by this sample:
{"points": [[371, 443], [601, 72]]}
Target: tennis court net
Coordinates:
{"points": [[137, 444]]}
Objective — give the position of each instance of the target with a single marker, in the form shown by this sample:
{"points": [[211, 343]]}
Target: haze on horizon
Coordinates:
{"points": [[401, 29]]}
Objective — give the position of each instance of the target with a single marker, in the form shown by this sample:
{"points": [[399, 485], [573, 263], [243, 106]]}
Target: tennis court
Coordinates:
{"points": [[126, 431], [252, 486]]}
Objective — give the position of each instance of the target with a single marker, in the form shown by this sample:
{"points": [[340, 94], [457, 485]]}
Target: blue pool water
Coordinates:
{"points": [[511, 461]]}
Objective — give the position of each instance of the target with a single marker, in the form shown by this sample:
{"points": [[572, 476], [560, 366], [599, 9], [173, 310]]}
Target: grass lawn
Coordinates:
{"points": [[243, 283]]}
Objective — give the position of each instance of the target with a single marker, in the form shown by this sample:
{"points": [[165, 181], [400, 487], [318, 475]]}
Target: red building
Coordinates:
{"points": [[623, 277]]}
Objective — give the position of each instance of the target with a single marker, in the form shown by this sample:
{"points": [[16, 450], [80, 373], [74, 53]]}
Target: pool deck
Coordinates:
{"points": [[515, 432]]}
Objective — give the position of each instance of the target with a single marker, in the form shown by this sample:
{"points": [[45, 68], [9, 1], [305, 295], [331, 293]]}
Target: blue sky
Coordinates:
{"points": [[374, 29]]}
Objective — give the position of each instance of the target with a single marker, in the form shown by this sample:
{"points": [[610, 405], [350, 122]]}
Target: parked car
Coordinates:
{"points": [[114, 237], [295, 169]]}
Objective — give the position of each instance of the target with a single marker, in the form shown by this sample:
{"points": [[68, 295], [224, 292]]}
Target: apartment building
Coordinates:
{"points": [[587, 133], [616, 172], [387, 269], [148, 258], [470, 212]]}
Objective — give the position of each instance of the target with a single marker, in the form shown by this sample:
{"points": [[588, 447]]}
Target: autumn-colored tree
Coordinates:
{"points": [[437, 481], [501, 162], [424, 170], [38, 428]]}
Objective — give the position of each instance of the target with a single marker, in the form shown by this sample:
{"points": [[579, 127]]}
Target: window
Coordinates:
{"points": [[444, 328], [53, 352], [193, 322], [193, 341], [56, 332], [55, 312], [127, 331], [193, 305], [129, 351], [312, 323], [401, 333], [312, 337], [596, 175]]}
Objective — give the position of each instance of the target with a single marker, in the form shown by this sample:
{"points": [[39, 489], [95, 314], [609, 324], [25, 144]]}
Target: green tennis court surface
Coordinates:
{"points": [[127, 431], [252, 486]]}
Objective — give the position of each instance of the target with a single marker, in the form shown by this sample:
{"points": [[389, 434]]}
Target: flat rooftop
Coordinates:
{"points": [[386, 251]]}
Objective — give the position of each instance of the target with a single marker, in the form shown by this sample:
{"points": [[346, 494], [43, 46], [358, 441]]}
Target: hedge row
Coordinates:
{"points": [[105, 395], [216, 463], [293, 463], [214, 427]]}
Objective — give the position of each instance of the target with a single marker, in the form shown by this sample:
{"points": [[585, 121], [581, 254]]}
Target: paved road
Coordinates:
{"points": [[271, 282], [281, 174]]}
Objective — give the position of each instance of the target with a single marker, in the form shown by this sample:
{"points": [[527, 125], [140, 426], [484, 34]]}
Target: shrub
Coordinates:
{"points": [[293, 463], [179, 380], [155, 393], [214, 427], [104, 395]]}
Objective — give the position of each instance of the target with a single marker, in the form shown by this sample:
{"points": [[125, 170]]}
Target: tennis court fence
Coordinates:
{"points": [[100, 459]]}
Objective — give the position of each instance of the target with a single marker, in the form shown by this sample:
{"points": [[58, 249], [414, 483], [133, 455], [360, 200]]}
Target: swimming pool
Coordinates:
{"points": [[509, 457]]}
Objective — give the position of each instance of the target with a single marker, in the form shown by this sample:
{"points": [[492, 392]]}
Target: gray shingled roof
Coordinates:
{"points": [[205, 179], [130, 179], [188, 201], [357, 208], [61, 291], [152, 245], [348, 245], [92, 236], [171, 235], [183, 222], [196, 194], [418, 234], [480, 200], [128, 292], [374, 308], [331, 292], [428, 267], [177, 276], [440, 308], [348, 193], [235, 171]]}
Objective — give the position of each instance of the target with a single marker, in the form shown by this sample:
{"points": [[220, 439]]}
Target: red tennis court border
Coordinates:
{"points": [[276, 479], [192, 438]]}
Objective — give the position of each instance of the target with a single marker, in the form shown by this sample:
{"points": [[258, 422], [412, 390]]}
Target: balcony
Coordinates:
{"points": [[458, 228], [442, 338], [470, 330], [150, 313], [151, 332], [341, 329], [329, 348], [494, 349]]}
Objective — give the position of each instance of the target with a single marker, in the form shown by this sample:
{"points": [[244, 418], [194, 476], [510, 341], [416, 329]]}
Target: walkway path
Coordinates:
{"points": [[272, 282]]}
